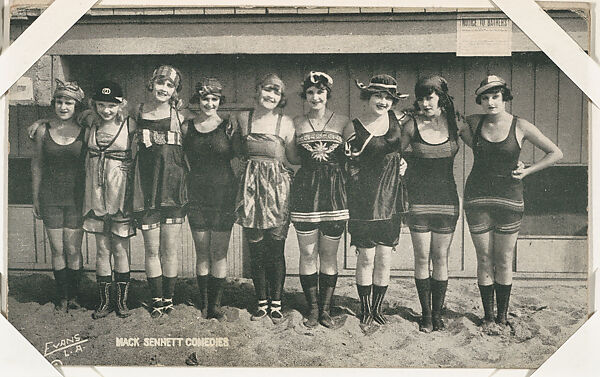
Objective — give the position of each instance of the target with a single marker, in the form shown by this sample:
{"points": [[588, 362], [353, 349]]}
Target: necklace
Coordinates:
{"points": [[324, 126]]}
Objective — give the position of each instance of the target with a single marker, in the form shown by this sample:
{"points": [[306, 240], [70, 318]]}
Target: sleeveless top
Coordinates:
{"points": [[319, 187], [108, 184], [263, 195], [490, 182], [376, 190], [62, 171], [210, 180], [430, 176], [160, 170]]}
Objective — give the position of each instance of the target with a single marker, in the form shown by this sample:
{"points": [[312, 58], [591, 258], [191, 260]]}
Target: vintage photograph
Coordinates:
{"points": [[297, 187]]}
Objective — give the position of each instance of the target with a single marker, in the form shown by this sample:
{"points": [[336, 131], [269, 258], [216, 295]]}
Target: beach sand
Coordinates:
{"points": [[543, 314]]}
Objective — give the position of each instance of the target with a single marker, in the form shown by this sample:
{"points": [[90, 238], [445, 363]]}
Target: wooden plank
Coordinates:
{"points": [[27, 115], [546, 100], [360, 69], [429, 64], [523, 90], [338, 70], [569, 119], [291, 73], [21, 237], [585, 129], [405, 68], [136, 252], [13, 131], [552, 255], [453, 72]]}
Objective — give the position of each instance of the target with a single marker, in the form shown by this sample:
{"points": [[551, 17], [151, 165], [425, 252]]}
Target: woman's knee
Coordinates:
{"points": [[365, 260]]}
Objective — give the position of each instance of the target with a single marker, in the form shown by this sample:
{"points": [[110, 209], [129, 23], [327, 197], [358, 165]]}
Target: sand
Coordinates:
{"points": [[543, 314]]}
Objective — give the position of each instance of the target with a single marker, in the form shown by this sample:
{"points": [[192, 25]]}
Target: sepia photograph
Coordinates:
{"points": [[328, 186]]}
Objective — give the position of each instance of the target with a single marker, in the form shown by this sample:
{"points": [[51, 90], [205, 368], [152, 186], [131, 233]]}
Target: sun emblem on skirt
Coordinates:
{"points": [[320, 150]]}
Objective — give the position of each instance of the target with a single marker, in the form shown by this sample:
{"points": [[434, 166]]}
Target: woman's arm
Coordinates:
{"points": [[466, 128], [408, 129], [36, 167], [289, 134], [538, 139]]}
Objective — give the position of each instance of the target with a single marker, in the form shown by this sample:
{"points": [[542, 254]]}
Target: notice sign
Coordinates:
{"points": [[483, 36]]}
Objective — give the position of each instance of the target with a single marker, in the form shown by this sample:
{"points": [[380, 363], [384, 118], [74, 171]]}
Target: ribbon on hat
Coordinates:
{"points": [[315, 76], [390, 88]]}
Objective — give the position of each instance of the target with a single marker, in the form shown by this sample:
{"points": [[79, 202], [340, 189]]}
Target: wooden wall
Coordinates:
{"points": [[542, 94]]}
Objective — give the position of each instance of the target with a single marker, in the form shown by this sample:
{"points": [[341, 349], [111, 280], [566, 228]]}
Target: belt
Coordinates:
{"points": [[152, 137], [103, 155]]}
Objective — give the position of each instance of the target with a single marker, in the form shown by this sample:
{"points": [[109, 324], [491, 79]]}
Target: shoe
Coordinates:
{"points": [[378, 295], [275, 312], [261, 310], [122, 293], [157, 307], [105, 305]]}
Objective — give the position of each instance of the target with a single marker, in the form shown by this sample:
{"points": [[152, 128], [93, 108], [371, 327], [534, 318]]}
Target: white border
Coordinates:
{"points": [[567, 358]]}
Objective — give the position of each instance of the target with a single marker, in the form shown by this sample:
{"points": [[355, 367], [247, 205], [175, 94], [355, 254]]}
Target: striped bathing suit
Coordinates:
{"points": [[432, 195], [493, 198]]}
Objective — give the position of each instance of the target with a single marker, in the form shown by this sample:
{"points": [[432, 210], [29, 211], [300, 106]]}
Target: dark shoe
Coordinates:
{"points": [[438, 295], [61, 305], [61, 281], [310, 287], [424, 291], [261, 310], [105, 305], [167, 305], [378, 295], [122, 293], [502, 300], [203, 294], [364, 294], [156, 307], [73, 281], [426, 324], [487, 300], [215, 292], [327, 285], [275, 312]]}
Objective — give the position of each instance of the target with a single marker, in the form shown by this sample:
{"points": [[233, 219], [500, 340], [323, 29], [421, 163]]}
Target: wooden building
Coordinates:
{"points": [[238, 45]]}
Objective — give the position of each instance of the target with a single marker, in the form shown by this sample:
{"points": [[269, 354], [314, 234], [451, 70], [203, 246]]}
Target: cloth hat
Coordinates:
{"points": [[208, 86], [432, 81], [170, 73], [316, 77], [382, 83], [68, 89], [272, 80], [490, 81], [108, 91]]}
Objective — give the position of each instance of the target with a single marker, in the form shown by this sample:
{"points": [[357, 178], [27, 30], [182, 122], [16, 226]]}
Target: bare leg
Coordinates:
{"points": [[55, 237], [219, 245], [308, 243], [202, 246], [72, 244], [365, 264], [103, 267], [421, 246], [151, 249]]}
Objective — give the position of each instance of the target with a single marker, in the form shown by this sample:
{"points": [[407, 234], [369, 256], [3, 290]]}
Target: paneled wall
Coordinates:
{"points": [[543, 95]]}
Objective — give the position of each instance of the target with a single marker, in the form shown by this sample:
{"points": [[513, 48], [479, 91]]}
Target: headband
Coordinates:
{"points": [[68, 89]]}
